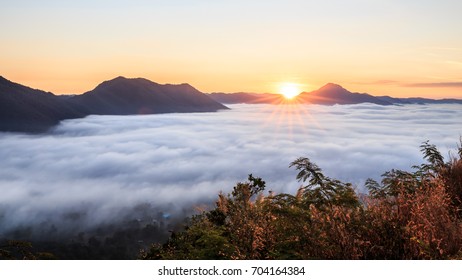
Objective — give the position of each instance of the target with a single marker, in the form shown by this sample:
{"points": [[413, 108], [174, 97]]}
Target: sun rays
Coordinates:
{"points": [[289, 90]]}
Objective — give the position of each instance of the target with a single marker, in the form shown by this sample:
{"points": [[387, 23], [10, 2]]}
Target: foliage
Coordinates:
{"points": [[16, 249], [323, 191], [113, 241], [408, 215]]}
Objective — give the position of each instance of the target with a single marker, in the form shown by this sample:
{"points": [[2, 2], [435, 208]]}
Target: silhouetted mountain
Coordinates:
{"points": [[394, 100], [122, 96], [249, 98], [31, 110], [327, 95], [419, 100], [331, 94]]}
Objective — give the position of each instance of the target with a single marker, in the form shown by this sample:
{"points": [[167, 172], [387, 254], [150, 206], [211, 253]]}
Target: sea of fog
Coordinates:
{"points": [[95, 170]]}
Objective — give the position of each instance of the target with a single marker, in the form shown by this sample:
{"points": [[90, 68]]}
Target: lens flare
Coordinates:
{"points": [[289, 90]]}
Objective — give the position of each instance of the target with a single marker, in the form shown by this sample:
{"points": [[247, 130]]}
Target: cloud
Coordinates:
{"points": [[436, 85], [421, 85], [380, 82], [96, 170]]}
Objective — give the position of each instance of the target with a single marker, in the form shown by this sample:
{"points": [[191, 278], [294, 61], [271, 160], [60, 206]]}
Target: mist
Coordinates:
{"points": [[100, 169]]}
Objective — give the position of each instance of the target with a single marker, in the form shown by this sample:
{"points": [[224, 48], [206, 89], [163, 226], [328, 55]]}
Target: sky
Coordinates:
{"points": [[99, 168], [383, 47]]}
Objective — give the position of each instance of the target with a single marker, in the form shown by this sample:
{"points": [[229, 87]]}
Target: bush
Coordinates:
{"points": [[409, 215]]}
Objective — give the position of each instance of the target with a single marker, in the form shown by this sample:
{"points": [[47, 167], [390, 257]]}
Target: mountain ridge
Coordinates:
{"points": [[124, 96], [23, 109], [32, 110], [329, 94]]}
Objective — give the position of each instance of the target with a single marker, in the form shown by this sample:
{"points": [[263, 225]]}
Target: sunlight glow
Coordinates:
{"points": [[289, 90]]}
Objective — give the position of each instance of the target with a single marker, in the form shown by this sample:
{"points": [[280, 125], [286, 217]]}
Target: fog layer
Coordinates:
{"points": [[91, 171]]}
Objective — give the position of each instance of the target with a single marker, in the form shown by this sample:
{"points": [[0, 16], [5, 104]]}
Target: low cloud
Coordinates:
{"points": [[419, 85], [91, 171], [436, 85], [380, 82]]}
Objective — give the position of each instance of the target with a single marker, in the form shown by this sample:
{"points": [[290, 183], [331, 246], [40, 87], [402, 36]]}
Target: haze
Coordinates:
{"points": [[104, 166], [393, 47]]}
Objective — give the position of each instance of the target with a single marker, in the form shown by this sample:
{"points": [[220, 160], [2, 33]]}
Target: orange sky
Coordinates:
{"points": [[397, 48]]}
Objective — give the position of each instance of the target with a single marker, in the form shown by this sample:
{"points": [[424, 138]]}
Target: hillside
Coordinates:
{"points": [[419, 100], [31, 110], [122, 96], [248, 98], [329, 94], [23, 109]]}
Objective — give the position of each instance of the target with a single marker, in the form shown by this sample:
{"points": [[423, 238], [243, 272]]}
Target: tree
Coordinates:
{"points": [[408, 215]]}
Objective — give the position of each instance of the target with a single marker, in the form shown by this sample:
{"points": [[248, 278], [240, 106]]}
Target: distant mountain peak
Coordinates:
{"points": [[137, 83], [120, 78], [331, 94], [332, 86], [123, 79], [123, 83], [26, 109], [127, 96], [183, 86]]}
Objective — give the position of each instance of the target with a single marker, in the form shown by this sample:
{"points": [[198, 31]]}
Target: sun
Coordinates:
{"points": [[289, 90]]}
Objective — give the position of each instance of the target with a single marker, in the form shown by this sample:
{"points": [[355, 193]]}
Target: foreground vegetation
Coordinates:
{"points": [[409, 215], [136, 229]]}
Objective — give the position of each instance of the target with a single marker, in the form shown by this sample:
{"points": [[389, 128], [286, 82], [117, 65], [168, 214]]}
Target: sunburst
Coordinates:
{"points": [[289, 90]]}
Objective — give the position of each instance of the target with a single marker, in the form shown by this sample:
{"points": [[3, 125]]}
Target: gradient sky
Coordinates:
{"points": [[393, 47]]}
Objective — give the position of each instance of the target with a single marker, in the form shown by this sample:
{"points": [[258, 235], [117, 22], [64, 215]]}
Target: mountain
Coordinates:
{"points": [[24, 109], [328, 94], [249, 98], [419, 100], [331, 94], [122, 96], [31, 110]]}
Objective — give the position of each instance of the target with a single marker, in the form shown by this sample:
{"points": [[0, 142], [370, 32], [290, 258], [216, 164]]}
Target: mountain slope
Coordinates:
{"points": [[25, 109], [331, 94], [419, 100], [30, 110], [249, 98], [122, 96]]}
